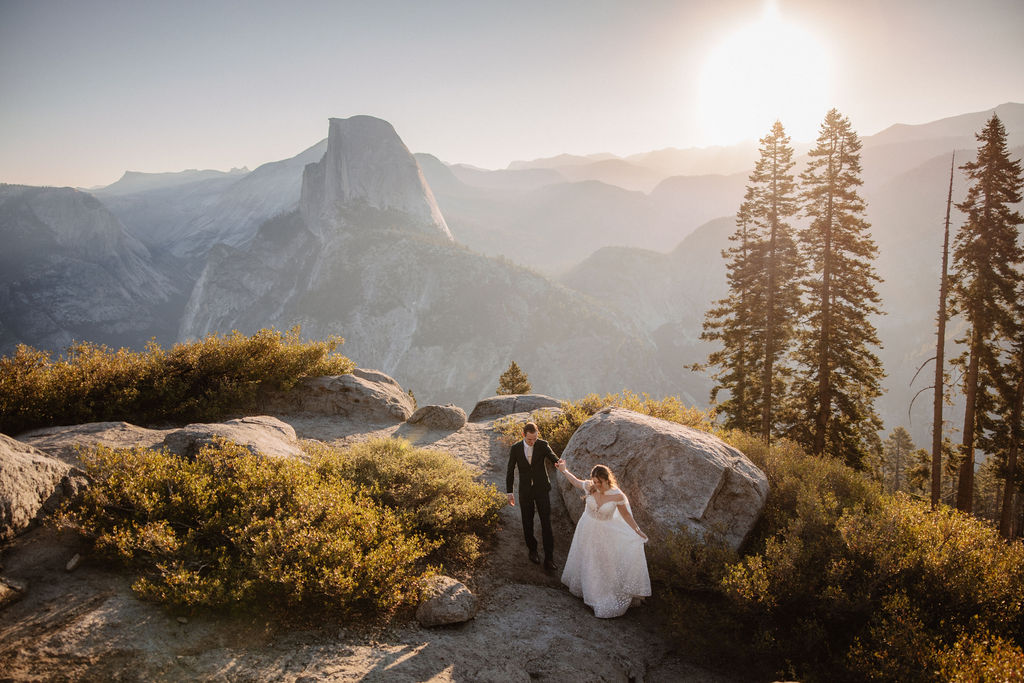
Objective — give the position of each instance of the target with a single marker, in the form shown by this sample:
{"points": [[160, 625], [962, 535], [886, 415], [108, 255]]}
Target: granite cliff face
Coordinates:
{"points": [[69, 270], [367, 169], [368, 256]]}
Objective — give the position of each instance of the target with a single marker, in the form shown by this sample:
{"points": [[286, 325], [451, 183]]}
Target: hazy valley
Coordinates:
{"points": [[593, 273]]}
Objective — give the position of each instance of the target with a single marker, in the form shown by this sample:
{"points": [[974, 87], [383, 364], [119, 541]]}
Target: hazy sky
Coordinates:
{"points": [[91, 88]]}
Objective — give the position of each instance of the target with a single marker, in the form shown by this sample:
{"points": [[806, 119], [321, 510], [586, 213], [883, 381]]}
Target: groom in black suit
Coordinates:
{"points": [[529, 456]]}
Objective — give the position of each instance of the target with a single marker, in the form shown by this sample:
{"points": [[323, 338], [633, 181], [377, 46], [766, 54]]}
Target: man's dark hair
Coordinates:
{"points": [[529, 428]]}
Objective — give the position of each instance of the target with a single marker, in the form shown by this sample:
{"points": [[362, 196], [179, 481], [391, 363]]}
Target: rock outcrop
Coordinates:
{"points": [[32, 484], [499, 406], [674, 476], [262, 435], [449, 417], [366, 395], [446, 601], [65, 442]]}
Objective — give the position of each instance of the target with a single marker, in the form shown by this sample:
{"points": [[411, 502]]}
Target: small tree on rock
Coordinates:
{"points": [[513, 381]]}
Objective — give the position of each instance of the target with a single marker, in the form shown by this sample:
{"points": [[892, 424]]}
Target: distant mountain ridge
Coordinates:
{"points": [[70, 271], [636, 270], [136, 181], [367, 255]]}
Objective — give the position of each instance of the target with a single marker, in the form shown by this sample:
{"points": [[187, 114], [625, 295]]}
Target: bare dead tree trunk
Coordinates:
{"points": [[940, 351]]}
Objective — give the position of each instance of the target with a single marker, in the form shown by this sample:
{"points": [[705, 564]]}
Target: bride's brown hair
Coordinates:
{"points": [[603, 473]]}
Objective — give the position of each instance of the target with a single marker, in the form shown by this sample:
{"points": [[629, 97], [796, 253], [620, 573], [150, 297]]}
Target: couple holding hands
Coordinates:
{"points": [[606, 564]]}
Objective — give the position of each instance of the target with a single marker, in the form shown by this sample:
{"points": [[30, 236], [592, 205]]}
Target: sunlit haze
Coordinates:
{"points": [[766, 70], [91, 89]]}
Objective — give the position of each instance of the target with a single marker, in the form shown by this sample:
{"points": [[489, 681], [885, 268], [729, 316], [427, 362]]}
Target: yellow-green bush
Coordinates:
{"points": [[922, 580], [229, 529], [982, 658], [558, 428], [203, 380], [839, 581], [443, 500]]}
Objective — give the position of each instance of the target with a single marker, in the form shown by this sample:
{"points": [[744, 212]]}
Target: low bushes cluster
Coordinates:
{"points": [[558, 427], [840, 581], [204, 380], [444, 502], [231, 530]]}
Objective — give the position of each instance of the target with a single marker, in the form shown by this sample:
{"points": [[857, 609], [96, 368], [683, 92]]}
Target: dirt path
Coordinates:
{"points": [[87, 625]]}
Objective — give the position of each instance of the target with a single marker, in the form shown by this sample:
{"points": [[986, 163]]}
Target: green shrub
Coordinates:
{"points": [[205, 380], [233, 530], [442, 499], [558, 428]]}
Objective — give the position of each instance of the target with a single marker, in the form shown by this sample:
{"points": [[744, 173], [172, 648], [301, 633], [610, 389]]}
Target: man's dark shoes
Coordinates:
{"points": [[550, 566], [534, 557]]}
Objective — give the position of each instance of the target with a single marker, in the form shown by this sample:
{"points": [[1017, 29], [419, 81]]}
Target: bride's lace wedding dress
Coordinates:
{"points": [[606, 565]]}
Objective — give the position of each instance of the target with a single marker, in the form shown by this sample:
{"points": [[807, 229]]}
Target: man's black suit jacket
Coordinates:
{"points": [[533, 477]]}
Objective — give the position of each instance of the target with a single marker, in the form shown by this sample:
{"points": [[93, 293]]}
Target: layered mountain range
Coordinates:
{"points": [[70, 271], [367, 255], [593, 273]]}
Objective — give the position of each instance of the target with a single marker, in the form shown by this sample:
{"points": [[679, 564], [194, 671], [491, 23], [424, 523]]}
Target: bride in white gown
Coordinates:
{"points": [[606, 565]]}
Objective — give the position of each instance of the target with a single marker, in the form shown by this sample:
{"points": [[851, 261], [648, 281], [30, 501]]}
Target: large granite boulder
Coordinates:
{"points": [[32, 484], [499, 406], [446, 601], [674, 476], [262, 435], [449, 417], [367, 395]]}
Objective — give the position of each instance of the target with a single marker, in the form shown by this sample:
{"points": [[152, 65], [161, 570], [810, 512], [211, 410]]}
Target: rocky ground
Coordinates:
{"points": [[87, 625]]}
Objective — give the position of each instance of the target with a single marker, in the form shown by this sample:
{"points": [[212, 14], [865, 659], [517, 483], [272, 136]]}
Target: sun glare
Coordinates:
{"points": [[768, 70]]}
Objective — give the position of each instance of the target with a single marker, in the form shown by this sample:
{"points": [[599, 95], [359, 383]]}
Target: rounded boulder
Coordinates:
{"points": [[448, 417], [674, 476]]}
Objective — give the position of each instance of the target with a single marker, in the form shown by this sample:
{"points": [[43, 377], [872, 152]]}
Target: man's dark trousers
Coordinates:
{"points": [[534, 488], [540, 501]]}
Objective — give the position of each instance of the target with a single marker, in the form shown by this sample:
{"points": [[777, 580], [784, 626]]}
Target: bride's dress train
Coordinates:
{"points": [[606, 565]]}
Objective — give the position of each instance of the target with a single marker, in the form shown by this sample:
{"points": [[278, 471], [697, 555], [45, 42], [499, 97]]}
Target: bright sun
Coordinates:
{"points": [[765, 71]]}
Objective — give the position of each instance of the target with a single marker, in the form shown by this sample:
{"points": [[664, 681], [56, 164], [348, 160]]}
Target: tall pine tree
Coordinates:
{"points": [[756, 321], [730, 322], [771, 202], [839, 374], [985, 280]]}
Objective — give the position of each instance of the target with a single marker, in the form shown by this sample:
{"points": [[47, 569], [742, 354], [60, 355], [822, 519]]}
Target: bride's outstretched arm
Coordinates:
{"points": [[573, 479], [628, 516]]}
